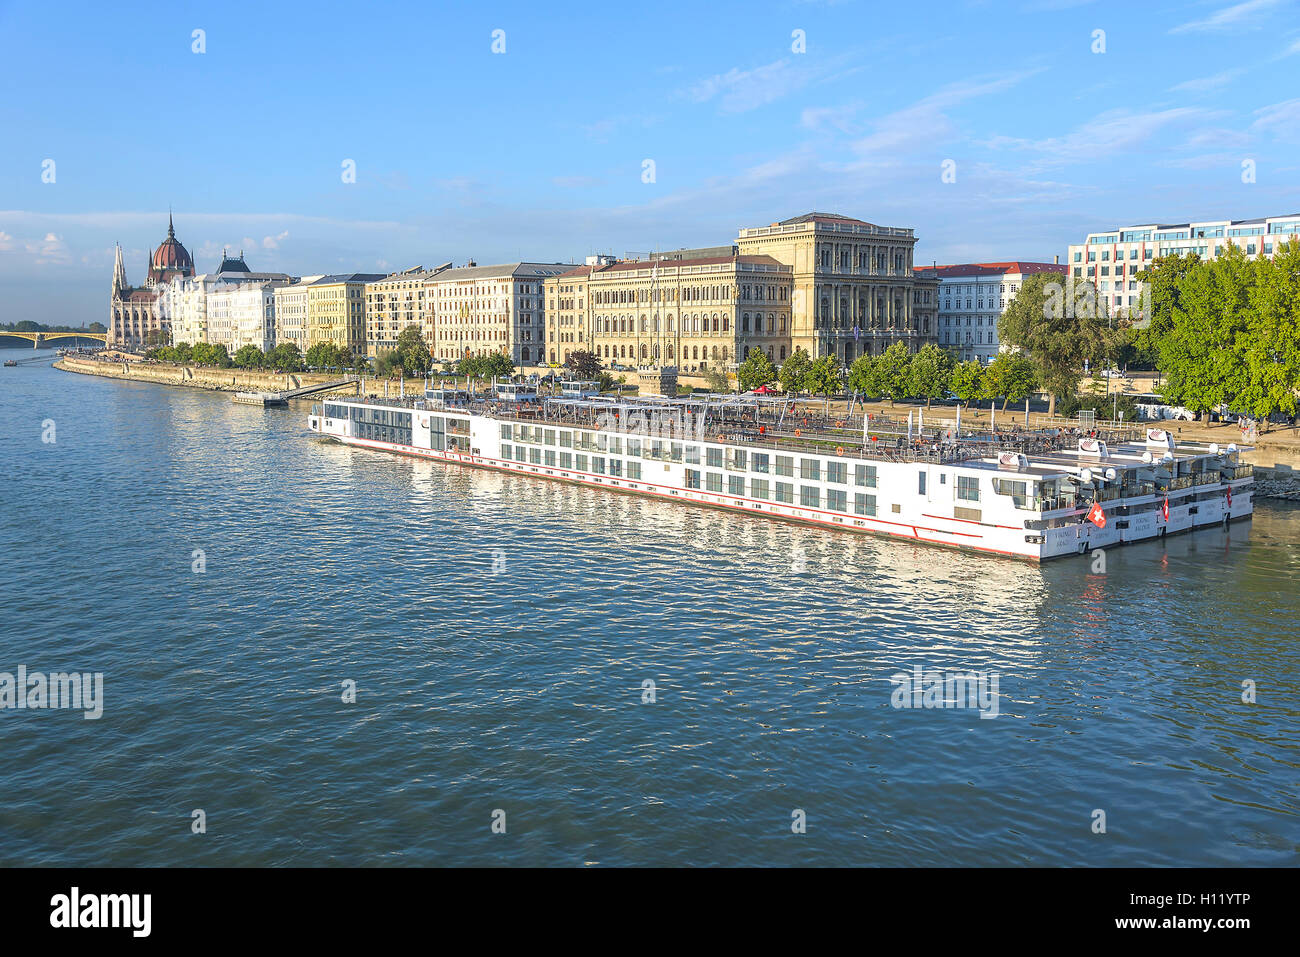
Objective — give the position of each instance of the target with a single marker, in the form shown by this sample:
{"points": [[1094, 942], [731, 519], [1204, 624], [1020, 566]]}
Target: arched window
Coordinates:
{"points": [[715, 353], [725, 354], [524, 354]]}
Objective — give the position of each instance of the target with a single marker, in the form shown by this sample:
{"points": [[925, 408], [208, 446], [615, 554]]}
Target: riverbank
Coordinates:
{"points": [[200, 377]]}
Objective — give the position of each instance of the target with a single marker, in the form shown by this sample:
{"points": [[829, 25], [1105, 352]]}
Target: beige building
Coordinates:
{"points": [[690, 309], [336, 311], [853, 283], [243, 314], [291, 312], [395, 302], [476, 310]]}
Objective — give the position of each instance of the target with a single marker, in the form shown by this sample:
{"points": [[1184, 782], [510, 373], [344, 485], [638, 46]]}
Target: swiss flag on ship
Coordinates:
{"points": [[1096, 515], [1229, 496], [1164, 509]]}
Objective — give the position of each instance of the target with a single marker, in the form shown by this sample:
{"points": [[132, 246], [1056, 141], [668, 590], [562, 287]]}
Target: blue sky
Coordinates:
{"points": [[538, 152]]}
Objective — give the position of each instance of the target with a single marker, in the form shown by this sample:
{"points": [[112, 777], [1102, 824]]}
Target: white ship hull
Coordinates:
{"points": [[915, 501]]}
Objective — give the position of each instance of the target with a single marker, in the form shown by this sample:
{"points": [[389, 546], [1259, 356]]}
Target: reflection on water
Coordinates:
{"points": [[520, 687]]}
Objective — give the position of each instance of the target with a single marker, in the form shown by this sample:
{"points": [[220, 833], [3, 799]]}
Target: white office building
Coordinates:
{"points": [[243, 314], [972, 297], [1113, 259]]}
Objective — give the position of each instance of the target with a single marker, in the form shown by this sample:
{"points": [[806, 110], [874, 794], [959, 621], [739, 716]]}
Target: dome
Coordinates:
{"points": [[170, 258]]}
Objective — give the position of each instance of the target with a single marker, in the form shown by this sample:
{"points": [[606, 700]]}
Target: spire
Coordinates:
{"points": [[171, 230], [119, 272]]}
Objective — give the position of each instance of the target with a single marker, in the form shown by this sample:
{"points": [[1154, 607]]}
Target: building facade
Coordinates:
{"points": [[689, 309], [243, 314], [135, 320], [1113, 259], [336, 311], [477, 310], [186, 299], [853, 283], [291, 312], [972, 297], [395, 302]]}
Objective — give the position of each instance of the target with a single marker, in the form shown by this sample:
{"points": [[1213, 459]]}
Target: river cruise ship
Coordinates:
{"points": [[1032, 495]]}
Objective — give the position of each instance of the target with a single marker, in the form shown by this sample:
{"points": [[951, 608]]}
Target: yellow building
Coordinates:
{"points": [[853, 284], [695, 312], [336, 311]]}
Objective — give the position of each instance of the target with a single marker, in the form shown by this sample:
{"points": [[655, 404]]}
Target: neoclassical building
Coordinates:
{"points": [[135, 321], [854, 286], [691, 309]]}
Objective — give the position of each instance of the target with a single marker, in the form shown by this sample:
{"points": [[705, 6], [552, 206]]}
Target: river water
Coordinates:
{"points": [[501, 631]]}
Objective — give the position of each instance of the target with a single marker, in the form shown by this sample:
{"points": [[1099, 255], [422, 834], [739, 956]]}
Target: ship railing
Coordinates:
{"points": [[1237, 472]]}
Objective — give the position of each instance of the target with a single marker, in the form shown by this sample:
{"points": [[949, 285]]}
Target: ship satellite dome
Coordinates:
{"points": [[1214, 448], [1086, 475], [1232, 446], [1110, 475], [1147, 458]]}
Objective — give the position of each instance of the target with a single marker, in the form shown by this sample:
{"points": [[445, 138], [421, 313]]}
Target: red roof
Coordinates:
{"points": [[992, 269]]}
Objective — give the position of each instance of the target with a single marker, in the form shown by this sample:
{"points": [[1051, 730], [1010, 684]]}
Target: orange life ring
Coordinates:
{"points": [[722, 438], [839, 424], [797, 433], [839, 450]]}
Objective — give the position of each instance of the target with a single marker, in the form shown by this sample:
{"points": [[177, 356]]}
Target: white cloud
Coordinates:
{"points": [[1228, 18], [1202, 84], [738, 91], [1104, 135], [273, 242], [1282, 120]]}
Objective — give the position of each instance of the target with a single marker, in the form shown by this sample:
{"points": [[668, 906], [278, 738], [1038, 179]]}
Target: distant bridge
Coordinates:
{"points": [[36, 338]]}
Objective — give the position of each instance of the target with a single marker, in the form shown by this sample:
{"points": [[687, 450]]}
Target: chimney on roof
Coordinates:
{"points": [[1056, 260]]}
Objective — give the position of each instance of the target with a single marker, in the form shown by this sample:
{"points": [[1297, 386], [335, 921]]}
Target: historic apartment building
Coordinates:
{"points": [[185, 300], [395, 302], [854, 284], [692, 309], [1113, 259], [972, 297], [243, 314], [336, 311], [476, 310]]}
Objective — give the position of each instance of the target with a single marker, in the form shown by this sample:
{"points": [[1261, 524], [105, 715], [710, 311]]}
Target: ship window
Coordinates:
{"points": [[759, 461], [615, 445], [785, 465], [810, 495], [634, 447], [550, 436], [837, 472], [566, 460], [634, 470], [550, 457], [736, 484], [714, 458], [713, 481], [535, 456], [505, 432], [692, 455], [785, 492], [736, 459], [864, 504], [505, 451], [865, 475], [920, 483], [616, 467], [598, 464], [968, 488], [810, 469], [581, 463], [837, 500], [566, 440], [758, 488]]}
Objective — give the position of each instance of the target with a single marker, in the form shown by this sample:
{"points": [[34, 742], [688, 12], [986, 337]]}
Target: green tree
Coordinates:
{"points": [[1270, 351], [1201, 349], [498, 364], [892, 371], [756, 370], [286, 357], [967, 382], [583, 364], [823, 377], [793, 370], [929, 373], [863, 377], [413, 351], [1010, 377], [715, 380], [249, 357], [1058, 322]]}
